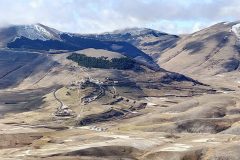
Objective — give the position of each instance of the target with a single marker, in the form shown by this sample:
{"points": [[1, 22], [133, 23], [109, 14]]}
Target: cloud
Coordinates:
{"points": [[85, 16]]}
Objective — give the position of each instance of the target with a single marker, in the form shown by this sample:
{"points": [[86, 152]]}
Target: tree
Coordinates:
{"points": [[102, 62]]}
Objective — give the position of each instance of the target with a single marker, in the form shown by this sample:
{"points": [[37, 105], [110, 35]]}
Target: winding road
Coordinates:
{"points": [[61, 103]]}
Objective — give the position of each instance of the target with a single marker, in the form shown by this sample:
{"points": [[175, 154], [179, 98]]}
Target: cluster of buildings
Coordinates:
{"points": [[64, 111]]}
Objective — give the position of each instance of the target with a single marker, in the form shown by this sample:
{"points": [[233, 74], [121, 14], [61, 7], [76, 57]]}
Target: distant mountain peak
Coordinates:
{"points": [[136, 31], [36, 31]]}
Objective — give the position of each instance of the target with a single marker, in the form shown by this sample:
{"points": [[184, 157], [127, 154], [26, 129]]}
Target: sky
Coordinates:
{"points": [[97, 16]]}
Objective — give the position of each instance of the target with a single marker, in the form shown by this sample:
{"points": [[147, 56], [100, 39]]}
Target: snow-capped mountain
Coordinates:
{"points": [[33, 32], [37, 31], [150, 41], [43, 38], [137, 32]]}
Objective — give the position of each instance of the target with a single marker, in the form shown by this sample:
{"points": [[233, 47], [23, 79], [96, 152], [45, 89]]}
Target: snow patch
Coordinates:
{"points": [[226, 23], [203, 140], [151, 104], [236, 30], [177, 148], [135, 31], [220, 75], [119, 136], [35, 31]]}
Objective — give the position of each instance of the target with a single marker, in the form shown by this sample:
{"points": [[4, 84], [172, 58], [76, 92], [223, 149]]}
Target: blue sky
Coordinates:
{"points": [[96, 16]]}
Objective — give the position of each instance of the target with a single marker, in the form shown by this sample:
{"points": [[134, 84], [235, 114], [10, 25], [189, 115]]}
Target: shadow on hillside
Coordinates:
{"points": [[15, 66], [22, 101], [194, 47], [221, 38], [232, 65]]}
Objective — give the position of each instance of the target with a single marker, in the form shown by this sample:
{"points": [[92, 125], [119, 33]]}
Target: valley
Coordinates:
{"points": [[183, 104]]}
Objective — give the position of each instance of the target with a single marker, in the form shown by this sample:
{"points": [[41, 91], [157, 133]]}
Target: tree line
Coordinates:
{"points": [[122, 63]]}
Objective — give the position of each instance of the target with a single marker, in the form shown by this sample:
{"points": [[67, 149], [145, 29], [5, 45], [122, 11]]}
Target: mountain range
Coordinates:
{"points": [[43, 38], [214, 49], [135, 93]]}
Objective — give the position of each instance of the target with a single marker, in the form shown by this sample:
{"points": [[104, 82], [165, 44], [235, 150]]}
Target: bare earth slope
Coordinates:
{"points": [[53, 109], [149, 41], [211, 51]]}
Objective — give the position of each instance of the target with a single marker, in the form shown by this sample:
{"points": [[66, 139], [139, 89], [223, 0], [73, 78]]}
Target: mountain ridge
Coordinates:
{"points": [[151, 45], [53, 106], [41, 37], [210, 51], [150, 41]]}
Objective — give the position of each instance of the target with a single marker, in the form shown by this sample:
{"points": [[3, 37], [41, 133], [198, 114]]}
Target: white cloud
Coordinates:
{"points": [[197, 26], [86, 16]]}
